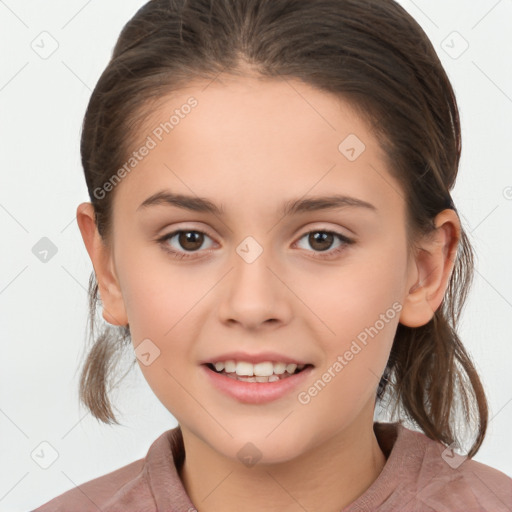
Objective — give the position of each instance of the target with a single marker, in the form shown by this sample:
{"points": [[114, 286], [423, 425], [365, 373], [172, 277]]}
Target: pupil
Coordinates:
{"points": [[320, 237], [187, 237]]}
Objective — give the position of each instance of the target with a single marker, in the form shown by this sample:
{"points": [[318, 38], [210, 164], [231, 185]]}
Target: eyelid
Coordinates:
{"points": [[319, 226], [177, 228]]}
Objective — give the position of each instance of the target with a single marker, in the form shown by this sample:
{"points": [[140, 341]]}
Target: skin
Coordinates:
{"points": [[249, 146]]}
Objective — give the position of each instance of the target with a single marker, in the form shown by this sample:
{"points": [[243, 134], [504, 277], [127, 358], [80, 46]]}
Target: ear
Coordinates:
{"points": [[431, 269], [101, 256]]}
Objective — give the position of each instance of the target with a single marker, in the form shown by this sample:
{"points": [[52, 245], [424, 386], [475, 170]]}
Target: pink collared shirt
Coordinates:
{"points": [[420, 475]]}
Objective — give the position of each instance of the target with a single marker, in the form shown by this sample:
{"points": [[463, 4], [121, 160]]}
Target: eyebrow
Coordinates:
{"points": [[291, 207]]}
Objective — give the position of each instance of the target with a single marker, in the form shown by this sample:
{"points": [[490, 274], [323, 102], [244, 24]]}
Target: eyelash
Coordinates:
{"points": [[184, 255]]}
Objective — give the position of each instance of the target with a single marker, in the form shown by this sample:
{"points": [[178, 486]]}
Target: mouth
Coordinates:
{"points": [[259, 383], [265, 372]]}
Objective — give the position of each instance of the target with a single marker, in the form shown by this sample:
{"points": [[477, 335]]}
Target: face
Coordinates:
{"points": [[319, 286]]}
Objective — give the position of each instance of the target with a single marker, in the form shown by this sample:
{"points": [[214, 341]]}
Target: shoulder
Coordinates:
{"points": [[95, 494], [472, 486], [126, 487], [447, 481]]}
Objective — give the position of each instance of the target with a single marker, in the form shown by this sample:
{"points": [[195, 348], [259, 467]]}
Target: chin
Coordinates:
{"points": [[255, 445]]}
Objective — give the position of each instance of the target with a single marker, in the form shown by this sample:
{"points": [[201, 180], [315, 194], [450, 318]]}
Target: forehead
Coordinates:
{"points": [[256, 138]]}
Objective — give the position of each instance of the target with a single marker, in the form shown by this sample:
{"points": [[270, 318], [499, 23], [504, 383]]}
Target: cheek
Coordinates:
{"points": [[159, 300], [359, 314], [157, 292], [357, 309], [353, 295]]}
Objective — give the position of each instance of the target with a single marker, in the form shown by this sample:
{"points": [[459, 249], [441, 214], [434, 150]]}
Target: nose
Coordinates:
{"points": [[255, 294]]}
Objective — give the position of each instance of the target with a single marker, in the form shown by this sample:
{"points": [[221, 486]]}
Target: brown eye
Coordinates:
{"points": [[320, 240], [184, 243], [190, 240]]}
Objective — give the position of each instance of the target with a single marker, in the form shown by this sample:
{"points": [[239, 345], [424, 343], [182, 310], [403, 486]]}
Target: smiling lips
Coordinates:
{"points": [[256, 389], [266, 371]]}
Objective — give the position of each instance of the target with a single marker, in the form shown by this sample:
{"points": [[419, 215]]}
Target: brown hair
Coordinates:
{"points": [[371, 53]]}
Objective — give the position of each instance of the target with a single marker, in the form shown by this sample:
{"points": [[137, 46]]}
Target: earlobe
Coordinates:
{"points": [[101, 257], [431, 270]]}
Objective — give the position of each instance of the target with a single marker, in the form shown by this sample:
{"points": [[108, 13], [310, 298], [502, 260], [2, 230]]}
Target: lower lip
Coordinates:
{"points": [[256, 392]]}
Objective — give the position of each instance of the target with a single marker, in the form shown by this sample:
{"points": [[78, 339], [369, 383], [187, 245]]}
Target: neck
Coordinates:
{"points": [[328, 477]]}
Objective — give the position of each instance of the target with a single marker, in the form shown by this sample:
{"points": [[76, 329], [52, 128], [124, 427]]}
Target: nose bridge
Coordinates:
{"points": [[254, 294], [252, 279]]}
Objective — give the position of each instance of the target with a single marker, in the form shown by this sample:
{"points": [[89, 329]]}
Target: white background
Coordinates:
{"points": [[44, 305]]}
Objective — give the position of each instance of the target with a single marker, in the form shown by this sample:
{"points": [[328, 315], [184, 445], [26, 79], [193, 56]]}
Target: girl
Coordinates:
{"points": [[271, 228]]}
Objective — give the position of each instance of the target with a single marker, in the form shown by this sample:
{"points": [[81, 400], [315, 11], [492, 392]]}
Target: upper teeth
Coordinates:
{"points": [[264, 369]]}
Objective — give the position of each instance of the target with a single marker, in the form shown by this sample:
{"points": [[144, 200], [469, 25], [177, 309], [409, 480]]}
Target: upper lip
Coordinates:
{"points": [[254, 358]]}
